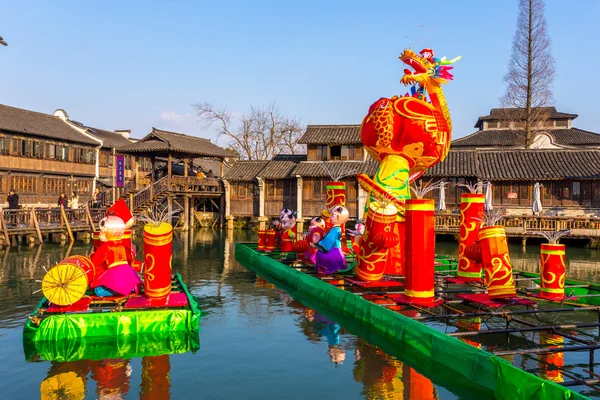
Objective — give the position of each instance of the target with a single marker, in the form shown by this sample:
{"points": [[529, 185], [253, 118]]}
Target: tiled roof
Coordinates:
{"points": [[508, 138], [314, 169], [539, 164], [518, 113], [457, 164], [18, 120], [331, 134], [112, 140], [281, 166], [244, 170], [164, 141]]}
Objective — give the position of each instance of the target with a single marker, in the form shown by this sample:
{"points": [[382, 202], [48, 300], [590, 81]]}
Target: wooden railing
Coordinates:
{"points": [[529, 225], [195, 184]]}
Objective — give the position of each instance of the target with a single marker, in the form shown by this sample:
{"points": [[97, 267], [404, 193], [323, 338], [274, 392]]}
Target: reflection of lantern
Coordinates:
{"points": [[471, 220], [373, 254], [551, 364], [419, 386], [496, 262], [262, 240], [158, 255], [420, 251], [112, 377], [270, 240], [156, 382], [65, 385], [469, 324], [552, 271]]}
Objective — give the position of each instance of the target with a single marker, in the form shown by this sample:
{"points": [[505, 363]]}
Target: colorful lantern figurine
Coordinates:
{"points": [[330, 258], [288, 231], [552, 266], [115, 260]]}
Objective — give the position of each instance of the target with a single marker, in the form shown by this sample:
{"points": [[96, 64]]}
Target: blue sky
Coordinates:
{"points": [[138, 64]]}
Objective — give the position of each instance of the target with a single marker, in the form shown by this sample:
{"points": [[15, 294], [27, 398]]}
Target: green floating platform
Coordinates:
{"points": [[468, 372], [62, 329]]}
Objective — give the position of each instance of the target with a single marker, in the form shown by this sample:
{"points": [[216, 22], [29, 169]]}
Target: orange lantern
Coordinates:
{"points": [[156, 383], [420, 251], [372, 256], [158, 255], [270, 240], [552, 271], [471, 220], [498, 276], [262, 240]]}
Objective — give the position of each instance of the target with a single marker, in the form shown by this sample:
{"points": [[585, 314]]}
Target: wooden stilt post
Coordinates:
{"points": [[90, 219], [66, 222], [36, 225], [186, 212], [4, 229]]}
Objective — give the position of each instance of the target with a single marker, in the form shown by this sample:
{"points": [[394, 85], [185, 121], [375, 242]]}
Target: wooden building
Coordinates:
{"points": [[43, 155], [563, 159]]}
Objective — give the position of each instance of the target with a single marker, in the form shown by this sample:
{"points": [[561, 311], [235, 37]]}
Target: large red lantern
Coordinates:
{"points": [[270, 236], [471, 220], [552, 271], [373, 253], [158, 255], [498, 277], [420, 251]]}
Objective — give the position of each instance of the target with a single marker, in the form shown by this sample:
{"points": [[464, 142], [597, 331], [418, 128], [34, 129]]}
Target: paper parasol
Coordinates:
{"points": [[67, 385], [65, 284]]}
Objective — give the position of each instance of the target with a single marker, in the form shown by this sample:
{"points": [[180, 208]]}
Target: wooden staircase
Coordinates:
{"points": [[150, 196]]}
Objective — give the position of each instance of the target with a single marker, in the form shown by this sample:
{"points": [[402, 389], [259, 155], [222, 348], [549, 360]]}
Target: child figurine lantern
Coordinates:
{"points": [[330, 258], [288, 230]]}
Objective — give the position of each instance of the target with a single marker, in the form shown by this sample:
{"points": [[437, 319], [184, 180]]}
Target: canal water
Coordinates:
{"points": [[256, 342]]}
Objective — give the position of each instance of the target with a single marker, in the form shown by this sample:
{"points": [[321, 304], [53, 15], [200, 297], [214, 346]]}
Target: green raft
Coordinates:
{"points": [[68, 333], [464, 369]]}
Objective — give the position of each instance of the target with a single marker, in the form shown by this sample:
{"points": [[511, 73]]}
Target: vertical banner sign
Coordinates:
{"points": [[120, 162]]}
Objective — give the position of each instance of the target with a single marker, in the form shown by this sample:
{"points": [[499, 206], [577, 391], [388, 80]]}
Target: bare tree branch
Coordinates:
{"points": [[258, 135], [530, 74]]}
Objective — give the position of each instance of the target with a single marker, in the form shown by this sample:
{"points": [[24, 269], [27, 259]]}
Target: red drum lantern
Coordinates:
{"points": [[158, 255], [496, 262], [420, 251], [372, 256], [335, 194], [471, 220], [270, 240], [262, 240], [552, 271], [66, 282]]}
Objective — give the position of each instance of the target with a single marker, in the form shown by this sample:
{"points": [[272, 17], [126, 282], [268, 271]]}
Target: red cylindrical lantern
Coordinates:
{"points": [[471, 220], [498, 277], [335, 194], [420, 251], [158, 255], [156, 383], [270, 240], [371, 259], [262, 240], [552, 271], [551, 364]]}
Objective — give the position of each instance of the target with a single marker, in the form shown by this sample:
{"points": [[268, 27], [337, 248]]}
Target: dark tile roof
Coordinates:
{"points": [[111, 140], [331, 134], [314, 169], [539, 164], [281, 166], [18, 120], [457, 164], [244, 170], [508, 138], [518, 113], [165, 141]]}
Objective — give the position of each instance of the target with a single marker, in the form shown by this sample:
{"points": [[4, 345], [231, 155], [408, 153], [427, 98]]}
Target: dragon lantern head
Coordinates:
{"points": [[427, 68]]}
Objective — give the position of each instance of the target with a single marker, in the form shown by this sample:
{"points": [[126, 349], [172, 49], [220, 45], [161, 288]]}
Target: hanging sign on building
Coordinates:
{"points": [[511, 195], [120, 171]]}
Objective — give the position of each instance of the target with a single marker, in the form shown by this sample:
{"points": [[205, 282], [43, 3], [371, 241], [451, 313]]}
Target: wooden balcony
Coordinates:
{"points": [[527, 226]]}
